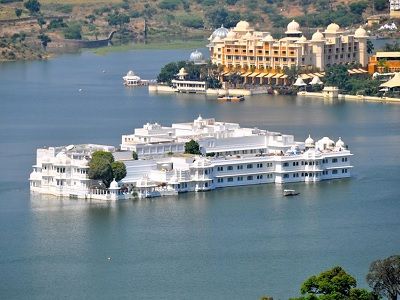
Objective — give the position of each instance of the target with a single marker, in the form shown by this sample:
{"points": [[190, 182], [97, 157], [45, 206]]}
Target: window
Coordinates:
{"points": [[240, 178], [344, 159], [334, 171], [250, 166], [220, 168], [334, 160], [230, 179], [259, 177], [240, 167], [220, 180], [269, 165], [295, 163], [286, 164], [250, 177], [285, 175], [259, 165], [344, 171], [230, 168]]}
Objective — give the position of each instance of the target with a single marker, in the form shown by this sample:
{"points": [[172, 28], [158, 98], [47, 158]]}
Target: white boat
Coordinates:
{"points": [[290, 193], [130, 79]]}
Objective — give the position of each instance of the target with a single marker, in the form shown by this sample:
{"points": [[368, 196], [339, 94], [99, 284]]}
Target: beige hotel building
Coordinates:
{"points": [[243, 48]]}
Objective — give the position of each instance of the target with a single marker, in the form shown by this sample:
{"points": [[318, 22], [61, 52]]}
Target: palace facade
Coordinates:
{"points": [[244, 48]]}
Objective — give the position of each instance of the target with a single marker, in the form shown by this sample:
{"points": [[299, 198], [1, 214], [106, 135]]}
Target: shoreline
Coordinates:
{"points": [[352, 97]]}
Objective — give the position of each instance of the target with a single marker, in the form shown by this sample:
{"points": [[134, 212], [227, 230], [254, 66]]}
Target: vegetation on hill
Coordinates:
{"points": [[165, 20]]}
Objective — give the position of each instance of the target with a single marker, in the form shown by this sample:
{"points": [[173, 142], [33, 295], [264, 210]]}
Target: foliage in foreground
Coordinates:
{"points": [[333, 284], [192, 147]]}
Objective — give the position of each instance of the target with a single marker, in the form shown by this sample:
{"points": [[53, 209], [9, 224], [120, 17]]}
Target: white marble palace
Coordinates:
{"points": [[232, 156]]}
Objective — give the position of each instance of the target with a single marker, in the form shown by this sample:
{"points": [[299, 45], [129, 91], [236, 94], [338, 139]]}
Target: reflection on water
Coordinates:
{"points": [[236, 243]]}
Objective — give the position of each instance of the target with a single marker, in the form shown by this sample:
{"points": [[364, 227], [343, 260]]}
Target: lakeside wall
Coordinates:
{"points": [[352, 97], [156, 88]]}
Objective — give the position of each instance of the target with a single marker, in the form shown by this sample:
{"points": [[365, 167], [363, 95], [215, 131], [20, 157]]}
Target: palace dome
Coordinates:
{"points": [[302, 39], [231, 35], [293, 27], [360, 32], [216, 39], [196, 56], [242, 26], [340, 143], [309, 142], [317, 36], [248, 35], [332, 28], [219, 32], [114, 185], [268, 38]]}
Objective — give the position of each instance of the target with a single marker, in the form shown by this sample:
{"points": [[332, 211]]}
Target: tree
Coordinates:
{"points": [[18, 12], [44, 39], [220, 16], [73, 31], [370, 47], [358, 7], [384, 277], [100, 169], [41, 21], [192, 147], [135, 155], [118, 170], [33, 6], [333, 284], [336, 76], [118, 19], [381, 4]]}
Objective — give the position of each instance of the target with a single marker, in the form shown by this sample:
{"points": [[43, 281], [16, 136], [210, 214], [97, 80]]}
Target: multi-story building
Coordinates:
{"points": [[384, 62], [244, 48], [232, 156], [394, 8]]}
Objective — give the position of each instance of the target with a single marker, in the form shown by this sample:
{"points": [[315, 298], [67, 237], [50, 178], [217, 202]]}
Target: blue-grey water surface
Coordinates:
{"points": [[236, 243]]}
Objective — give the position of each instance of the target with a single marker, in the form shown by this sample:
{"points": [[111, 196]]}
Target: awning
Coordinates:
{"points": [[311, 75], [394, 82], [363, 71], [319, 74], [304, 76], [246, 74], [270, 75], [284, 76], [254, 74], [278, 75], [261, 75]]}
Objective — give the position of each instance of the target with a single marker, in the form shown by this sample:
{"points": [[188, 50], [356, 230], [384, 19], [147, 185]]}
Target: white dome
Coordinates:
{"points": [[317, 36], [293, 27], [332, 28], [268, 38], [196, 56], [182, 72], [114, 185], [309, 142], [216, 39], [248, 35], [131, 76], [360, 32], [231, 35], [219, 32], [302, 39], [340, 143], [242, 26]]}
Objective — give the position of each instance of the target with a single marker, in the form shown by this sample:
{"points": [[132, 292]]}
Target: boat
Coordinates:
{"points": [[130, 79], [290, 193], [230, 98]]}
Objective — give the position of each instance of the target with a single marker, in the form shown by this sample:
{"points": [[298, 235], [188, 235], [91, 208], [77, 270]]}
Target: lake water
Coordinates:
{"points": [[234, 243]]}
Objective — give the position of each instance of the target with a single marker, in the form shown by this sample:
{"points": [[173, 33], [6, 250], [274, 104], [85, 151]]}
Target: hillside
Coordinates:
{"points": [[172, 19]]}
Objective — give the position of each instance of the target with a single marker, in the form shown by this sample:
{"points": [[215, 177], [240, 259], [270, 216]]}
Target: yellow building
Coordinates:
{"points": [[244, 48], [384, 62]]}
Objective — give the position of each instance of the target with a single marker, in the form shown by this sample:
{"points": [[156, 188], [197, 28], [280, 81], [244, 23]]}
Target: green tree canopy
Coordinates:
{"points": [[384, 277], [135, 155], [333, 284], [44, 39], [103, 167], [118, 170], [192, 147], [73, 31], [33, 6], [18, 12]]}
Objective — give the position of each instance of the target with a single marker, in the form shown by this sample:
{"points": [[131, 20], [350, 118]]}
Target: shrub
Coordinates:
{"points": [[169, 4], [73, 31], [193, 22]]}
